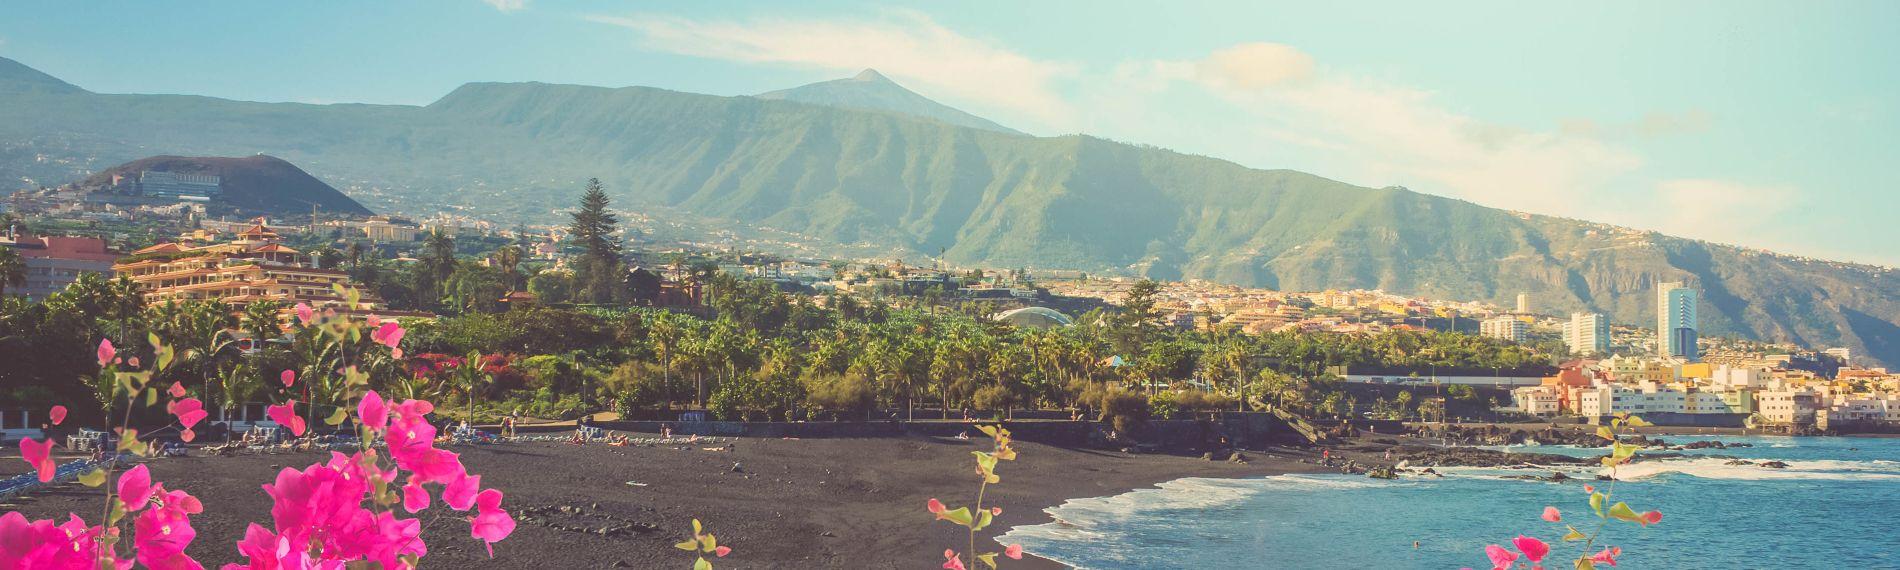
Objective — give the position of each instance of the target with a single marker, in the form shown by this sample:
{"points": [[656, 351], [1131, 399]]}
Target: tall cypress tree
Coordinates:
{"points": [[593, 230]]}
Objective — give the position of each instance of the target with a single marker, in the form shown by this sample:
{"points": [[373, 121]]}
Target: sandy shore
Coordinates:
{"points": [[817, 503]]}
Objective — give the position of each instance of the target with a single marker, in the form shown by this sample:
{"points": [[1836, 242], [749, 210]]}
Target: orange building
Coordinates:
{"points": [[254, 267]]}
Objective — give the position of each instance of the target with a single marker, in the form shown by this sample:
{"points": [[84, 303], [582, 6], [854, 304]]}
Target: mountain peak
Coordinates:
{"points": [[16, 77], [872, 91]]}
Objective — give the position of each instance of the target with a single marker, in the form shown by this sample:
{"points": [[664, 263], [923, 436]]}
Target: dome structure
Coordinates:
{"points": [[1034, 317]]}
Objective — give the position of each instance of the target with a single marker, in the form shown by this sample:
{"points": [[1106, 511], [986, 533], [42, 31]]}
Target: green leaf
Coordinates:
{"points": [[1637, 422], [1596, 503], [151, 396], [1622, 511], [1605, 433], [697, 528], [1574, 534], [336, 418], [692, 544], [702, 564], [982, 520], [1584, 563], [960, 515], [116, 513], [93, 478], [709, 544], [988, 559]]}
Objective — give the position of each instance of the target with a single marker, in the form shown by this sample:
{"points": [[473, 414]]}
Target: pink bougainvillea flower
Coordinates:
{"points": [[285, 415], [106, 352], [160, 537], [305, 313], [133, 362], [1607, 555], [57, 414], [190, 411], [374, 321], [1651, 517], [1501, 558], [1013, 551], [491, 523], [288, 377], [389, 334], [1589, 489], [135, 488], [414, 497], [396, 354], [460, 493], [1551, 514], [722, 551], [952, 560], [177, 390], [38, 453], [1533, 549], [935, 507], [373, 412], [996, 511]]}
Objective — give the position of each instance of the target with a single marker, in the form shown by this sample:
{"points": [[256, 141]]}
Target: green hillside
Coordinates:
{"points": [[852, 176]]}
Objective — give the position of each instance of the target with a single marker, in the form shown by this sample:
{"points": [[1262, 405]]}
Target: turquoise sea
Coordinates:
{"points": [[1837, 505]]}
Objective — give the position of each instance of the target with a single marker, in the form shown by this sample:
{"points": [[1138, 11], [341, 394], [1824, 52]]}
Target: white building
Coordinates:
{"points": [[1588, 333], [1507, 328], [1788, 407], [1537, 400], [1523, 303]]}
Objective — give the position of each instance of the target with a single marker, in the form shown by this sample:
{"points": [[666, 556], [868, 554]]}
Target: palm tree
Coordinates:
{"points": [[508, 258], [12, 269], [354, 254]]}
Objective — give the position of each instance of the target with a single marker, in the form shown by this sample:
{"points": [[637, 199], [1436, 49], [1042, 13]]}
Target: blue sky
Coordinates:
{"points": [[1756, 123]]}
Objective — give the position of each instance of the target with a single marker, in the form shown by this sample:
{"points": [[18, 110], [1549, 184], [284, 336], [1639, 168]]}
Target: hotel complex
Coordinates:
{"points": [[256, 266]]}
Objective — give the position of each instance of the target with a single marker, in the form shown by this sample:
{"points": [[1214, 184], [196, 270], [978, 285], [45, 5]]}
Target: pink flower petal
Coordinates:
{"points": [[952, 560], [57, 414], [1533, 549], [286, 416], [1551, 514], [1652, 517], [135, 488], [1501, 559], [460, 493], [1607, 555], [288, 377], [187, 435], [106, 351], [373, 412], [38, 454], [1014, 552], [177, 390], [305, 313], [722, 551], [414, 497], [935, 507], [133, 362]]}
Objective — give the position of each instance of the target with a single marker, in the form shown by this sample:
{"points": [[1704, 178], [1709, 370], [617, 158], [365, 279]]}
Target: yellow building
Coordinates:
{"points": [[256, 266]]}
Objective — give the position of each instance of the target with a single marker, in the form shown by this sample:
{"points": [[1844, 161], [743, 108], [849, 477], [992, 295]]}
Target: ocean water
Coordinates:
{"points": [[1837, 505]]}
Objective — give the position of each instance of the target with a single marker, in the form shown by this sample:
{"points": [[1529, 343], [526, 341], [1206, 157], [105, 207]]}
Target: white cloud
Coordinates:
{"points": [[507, 5], [1255, 65], [1721, 211], [905, 45], [1399, 134]]}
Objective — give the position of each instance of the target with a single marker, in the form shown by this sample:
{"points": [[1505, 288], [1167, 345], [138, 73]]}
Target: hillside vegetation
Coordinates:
{"points": [[984, 197]]}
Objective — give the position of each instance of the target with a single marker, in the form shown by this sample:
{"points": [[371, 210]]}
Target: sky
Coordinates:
{"points": [[1764, 124]]}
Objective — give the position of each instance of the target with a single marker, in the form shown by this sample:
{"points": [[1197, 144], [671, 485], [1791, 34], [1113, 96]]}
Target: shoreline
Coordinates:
{"points": [[776, 502]]}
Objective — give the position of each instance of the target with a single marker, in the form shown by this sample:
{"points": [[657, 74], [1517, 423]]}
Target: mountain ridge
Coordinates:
{"points": [[872, 91], [849, 176]]}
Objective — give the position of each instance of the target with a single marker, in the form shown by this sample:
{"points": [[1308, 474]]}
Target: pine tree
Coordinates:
{"points": [[593, 231]]}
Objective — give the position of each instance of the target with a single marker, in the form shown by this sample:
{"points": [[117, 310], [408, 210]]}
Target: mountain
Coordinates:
{"points": [[871, 91], [252, 184], [16, 77], [849, 176]]}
